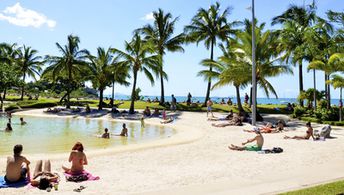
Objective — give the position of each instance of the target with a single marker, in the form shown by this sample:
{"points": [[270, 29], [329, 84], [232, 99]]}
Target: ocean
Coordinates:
{"points": [[218, 99]]}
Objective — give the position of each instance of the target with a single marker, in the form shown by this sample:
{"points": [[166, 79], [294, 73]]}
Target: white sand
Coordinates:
{"points": [[196, 161]]}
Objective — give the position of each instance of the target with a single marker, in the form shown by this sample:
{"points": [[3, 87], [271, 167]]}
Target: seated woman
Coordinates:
{"points": [[259, 143], [156, 112], [43, 179], [147, 111], [78, 159], [309, 133]]}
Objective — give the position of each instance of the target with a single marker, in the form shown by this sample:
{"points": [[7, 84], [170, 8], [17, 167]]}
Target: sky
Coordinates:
{"points": [[108, 23]]}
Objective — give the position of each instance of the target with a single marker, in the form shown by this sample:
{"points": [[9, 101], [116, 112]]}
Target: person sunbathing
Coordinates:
{"points": [[43, 179], [309, 133], [78, 159], [17, 168], [259, 143], [236, 121]]}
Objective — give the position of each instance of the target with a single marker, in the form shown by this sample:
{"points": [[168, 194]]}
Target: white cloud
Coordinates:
{"points": [[20, 16], [148, 16]]}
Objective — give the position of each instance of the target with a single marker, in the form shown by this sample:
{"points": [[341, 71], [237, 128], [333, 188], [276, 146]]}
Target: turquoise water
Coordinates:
{"points": [[43, 135]]}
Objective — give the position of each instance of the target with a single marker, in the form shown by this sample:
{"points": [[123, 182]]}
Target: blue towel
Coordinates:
{"points": [[4, 184]]}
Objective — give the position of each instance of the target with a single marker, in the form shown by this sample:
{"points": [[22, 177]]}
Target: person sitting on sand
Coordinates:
{"points": [[156, 112], [147, 112], [78, 159], [43, 179], [22, 122], [106, 134], [259, 143], [17, 168], [8, 127], [309, 133]]}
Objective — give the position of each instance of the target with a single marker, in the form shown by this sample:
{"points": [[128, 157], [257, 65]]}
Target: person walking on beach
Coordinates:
{"points": [[246, 98], [173, 103], [209, 109], [257, 147], [188, 101], [78, 159], [17, 168]]}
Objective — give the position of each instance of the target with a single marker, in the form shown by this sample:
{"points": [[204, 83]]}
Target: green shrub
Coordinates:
{"points": [[311, 119], [298, 111], [322, 104]]}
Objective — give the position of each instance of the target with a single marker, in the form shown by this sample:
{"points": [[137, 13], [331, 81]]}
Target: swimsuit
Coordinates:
{"points": [[253, 148]]}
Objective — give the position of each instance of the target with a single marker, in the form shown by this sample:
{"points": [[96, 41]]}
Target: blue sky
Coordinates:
{"points": [[105, 23]]}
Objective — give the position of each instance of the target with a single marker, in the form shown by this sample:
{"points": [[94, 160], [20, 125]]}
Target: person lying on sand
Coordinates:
{"points": [[167, 120], [259, 143], [43, 179], [78, 159], [268, 128], [309, 133], [236, 121]]}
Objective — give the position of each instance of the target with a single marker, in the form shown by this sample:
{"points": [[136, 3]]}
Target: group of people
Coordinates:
{"points": [[9, 123], [123, 133], [17, 168]]}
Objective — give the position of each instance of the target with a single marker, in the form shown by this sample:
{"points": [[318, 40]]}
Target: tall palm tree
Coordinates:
{"points": [[10, 74], [120, 74], [209, 26], [338, 82], [69, 64], [161, 34], [295, 20], [268, 59], [101, 72], [29, 64], [138, 57], [230, 69]]}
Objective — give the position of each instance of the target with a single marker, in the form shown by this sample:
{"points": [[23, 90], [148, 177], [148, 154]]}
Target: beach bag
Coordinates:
{"points": [[277, 150]]}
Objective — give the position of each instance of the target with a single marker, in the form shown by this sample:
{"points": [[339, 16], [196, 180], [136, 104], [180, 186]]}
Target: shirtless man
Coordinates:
{"points": [[106, 134], [124, 131], [209, 105], [22, 122], [17, 168], [259, 143]]}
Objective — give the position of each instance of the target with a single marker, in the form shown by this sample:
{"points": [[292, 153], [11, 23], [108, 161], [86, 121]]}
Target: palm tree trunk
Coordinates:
{"points": [[340, 105], [1, 103], [328, 93], [240, 108], [162, 97], [69, 87], [210, 69], [315, 90], [100, 106], [300, 82], [131, 110], [5, 92], [325, 86], [113, 93], [22, 91]]}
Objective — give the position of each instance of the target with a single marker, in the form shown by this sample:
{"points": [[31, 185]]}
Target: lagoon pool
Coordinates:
{"points": [[55, 135]]}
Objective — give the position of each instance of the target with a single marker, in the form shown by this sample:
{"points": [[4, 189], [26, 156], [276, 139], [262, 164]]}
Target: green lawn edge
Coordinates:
{"points": [[323, 189]]}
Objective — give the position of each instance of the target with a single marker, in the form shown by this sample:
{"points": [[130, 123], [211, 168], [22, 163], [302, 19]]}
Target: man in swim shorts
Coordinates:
{"points": [[17, 168], [259, 143]]}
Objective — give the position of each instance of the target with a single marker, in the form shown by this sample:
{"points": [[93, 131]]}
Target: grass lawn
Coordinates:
{"points": [[330, 188]]}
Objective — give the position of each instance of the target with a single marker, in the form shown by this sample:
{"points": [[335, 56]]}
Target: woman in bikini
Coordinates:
{"points": [[309, 133], [43, 179], [78, 159]]}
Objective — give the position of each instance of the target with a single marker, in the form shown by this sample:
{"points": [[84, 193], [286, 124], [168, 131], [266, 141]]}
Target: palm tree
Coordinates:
{"points": [[10, 74], [120, 74], [209, 26], [295, 20], [338, 82], [69, 65], [137, 56], [101, 72], [268, 58], [161, 34], [230, 69], [29, 64]]}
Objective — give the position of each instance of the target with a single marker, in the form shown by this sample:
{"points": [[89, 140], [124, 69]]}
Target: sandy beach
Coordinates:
{"points": [[197, 161]]}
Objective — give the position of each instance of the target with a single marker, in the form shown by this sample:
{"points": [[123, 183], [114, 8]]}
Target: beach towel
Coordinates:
{"points": [[274, 150], [4, 184], [84, 176]]}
